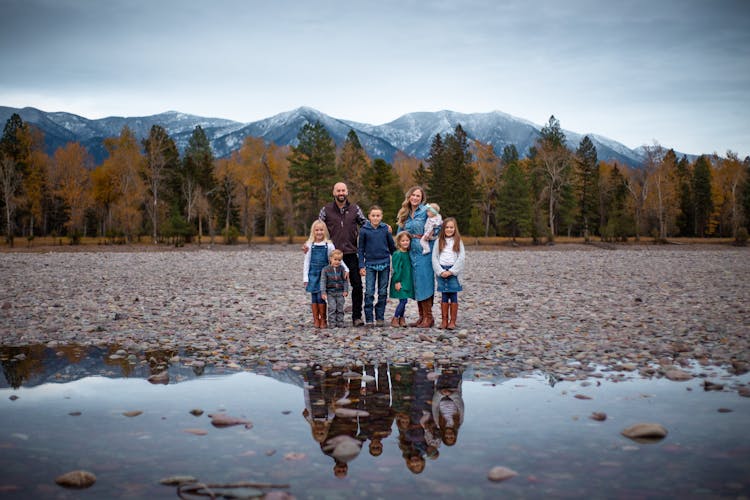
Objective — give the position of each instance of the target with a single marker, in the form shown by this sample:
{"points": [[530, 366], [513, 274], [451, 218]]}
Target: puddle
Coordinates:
{"points": [[406, 431]]}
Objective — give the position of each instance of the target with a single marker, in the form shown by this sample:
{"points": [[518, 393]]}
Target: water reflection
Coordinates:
{"points": [[351, 408]]}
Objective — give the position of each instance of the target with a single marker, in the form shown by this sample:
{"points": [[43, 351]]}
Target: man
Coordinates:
{"points": [[343, 220]]}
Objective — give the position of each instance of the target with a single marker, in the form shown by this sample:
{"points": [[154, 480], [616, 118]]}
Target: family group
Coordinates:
{"points": [[344, 246]]}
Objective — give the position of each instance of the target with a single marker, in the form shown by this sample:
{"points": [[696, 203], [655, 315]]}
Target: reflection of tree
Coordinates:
{"points": [[16, 369]]}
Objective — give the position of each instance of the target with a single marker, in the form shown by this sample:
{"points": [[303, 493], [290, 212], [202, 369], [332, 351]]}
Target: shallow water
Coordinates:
{"points": [[63, 409]]}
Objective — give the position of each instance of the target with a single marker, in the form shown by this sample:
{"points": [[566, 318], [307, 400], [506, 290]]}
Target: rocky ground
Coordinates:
{"points": [[569, 310]]}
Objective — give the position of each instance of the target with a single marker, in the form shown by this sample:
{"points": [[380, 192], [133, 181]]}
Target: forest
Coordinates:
{"points": [[148, 190]]}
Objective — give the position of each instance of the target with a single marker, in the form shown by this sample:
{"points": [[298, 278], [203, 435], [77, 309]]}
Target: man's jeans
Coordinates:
{"points": [[371, 277]]}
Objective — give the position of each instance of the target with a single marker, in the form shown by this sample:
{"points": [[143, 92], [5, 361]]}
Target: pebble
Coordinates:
{"points": [[650, 431], [76, 479], [500, 473], [588, 301]]}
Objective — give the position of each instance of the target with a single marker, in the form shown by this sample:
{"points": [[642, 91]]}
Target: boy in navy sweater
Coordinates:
{"points": [[374, 250]]}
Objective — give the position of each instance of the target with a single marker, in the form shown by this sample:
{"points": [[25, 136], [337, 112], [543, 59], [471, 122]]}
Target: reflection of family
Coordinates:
{"points": [[350, 246], [347, 409]]}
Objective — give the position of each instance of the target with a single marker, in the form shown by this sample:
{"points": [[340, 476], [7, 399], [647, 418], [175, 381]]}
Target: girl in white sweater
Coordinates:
{"points": [[448, 263]]}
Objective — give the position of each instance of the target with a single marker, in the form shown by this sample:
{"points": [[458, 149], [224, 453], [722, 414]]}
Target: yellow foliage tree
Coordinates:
{"points": [[728, 177], [488, 168], [405, 166], [71, 182], [124, 165]]}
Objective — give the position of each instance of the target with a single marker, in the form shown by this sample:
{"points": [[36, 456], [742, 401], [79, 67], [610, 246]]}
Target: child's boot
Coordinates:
{"points": [[444, 315], [453, 313], [316, 317], [394, 322], [402, 322], [322, 308]]}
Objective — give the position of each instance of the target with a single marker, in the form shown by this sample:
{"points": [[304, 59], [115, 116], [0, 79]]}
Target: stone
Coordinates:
{"points": [[77, 479], [500, 473], [645, 431]]}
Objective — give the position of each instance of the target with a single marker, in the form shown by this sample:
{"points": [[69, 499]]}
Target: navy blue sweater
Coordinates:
{"points": [[375, 245]]}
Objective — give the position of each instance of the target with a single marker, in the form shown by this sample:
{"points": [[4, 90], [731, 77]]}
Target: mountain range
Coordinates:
{"points": [[411, 133]]}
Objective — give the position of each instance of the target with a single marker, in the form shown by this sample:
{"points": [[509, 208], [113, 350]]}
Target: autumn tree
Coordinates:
{"points": [[274, 178], [405, 167], [352, 164], [638, 184], [587, 178], [312, 171], [225, 172], [71, 182], [702, 200], [661, 169], [729, 181], [160, 165], [124, 165], [488, 169], [553, 158]]}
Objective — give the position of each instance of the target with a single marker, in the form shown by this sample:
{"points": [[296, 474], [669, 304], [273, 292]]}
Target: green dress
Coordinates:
{"points": [[402, 272]]}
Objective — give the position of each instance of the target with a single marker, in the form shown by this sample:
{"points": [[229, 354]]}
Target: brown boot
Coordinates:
{"points": [[444, 315], [316, 317], [429, 321], [420, 308], [394, 322], [322, 308], [402, 322], [453, 313]]}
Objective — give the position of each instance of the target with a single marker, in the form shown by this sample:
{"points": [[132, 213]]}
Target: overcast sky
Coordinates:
{"points": [[637, 71]]}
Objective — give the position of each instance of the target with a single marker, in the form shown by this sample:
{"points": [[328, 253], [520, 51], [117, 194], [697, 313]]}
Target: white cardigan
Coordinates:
{"points": [[458, 264]]}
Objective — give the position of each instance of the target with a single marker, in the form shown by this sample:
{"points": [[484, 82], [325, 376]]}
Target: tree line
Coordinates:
{"points": [[147, 189]]}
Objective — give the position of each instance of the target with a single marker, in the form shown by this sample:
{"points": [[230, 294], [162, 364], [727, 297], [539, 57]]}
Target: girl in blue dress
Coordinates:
{"points": [[411, 218], [319, 247]]}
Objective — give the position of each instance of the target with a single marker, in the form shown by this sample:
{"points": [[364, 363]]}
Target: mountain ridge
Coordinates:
{"points": [[411, 133]]}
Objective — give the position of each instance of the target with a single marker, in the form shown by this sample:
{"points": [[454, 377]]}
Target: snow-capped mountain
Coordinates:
{"points": [[411, 133]]}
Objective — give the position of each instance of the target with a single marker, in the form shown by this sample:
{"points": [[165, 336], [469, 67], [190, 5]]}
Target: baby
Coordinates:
{"points": [[434, 221]]}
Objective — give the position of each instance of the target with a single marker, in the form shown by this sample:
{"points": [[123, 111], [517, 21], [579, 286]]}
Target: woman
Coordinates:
{"points": [[412, 217]]}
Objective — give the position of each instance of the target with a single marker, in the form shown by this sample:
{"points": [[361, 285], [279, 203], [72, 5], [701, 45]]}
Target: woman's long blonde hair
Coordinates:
{"points": [[456, 236], [311, 238], [405, 209]]}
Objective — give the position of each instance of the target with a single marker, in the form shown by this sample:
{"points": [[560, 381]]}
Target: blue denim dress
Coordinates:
{"points": [[318, 260]]}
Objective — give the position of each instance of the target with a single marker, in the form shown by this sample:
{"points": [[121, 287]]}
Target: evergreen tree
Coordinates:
{"points": [[382, 188], [452, 177], [312, 171], [436, 161], [421, 176], [352, 164], [702, 200], [746, 193], [686, 212], [510, 154], [618, 221], [13, 158], [587, 175], [514, 202], [194, 183]]}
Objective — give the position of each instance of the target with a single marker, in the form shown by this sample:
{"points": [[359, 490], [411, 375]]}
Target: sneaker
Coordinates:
{"points": [[357, 322], [379, 322]]}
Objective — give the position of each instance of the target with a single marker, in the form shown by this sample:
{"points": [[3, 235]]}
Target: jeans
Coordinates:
{"points": [[400, 308], [371, 277]]}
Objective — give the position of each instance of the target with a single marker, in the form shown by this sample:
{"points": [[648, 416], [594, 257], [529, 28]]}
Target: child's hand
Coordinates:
{"points": [[346, 275], [346, 294], [397, 286], [304, 248], [304, 283], [362, 272], [324, 296], [446, 274]]}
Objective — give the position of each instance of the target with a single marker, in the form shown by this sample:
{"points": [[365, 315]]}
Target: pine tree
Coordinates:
{"points": [[452, 176], [702, 195], [686, 211], [435, 177], [514, 202], [618, 222], [352, 165], [382, 188], [587, 175], [421, 176], [312, 171], [194, 183]]}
